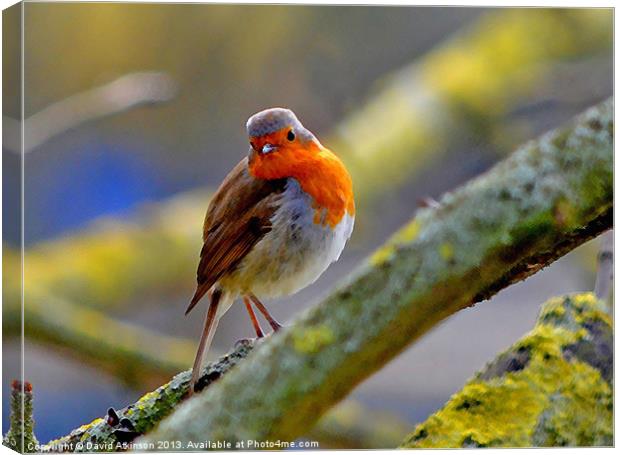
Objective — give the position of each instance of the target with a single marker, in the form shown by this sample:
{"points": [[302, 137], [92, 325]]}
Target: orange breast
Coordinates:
{"points": [[319, 172], [330, 185]]}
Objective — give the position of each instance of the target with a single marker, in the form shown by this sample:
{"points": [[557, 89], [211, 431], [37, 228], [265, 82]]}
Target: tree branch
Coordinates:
{"points": [[349, 425], [110, 433], [551, 388], [550, 196]]}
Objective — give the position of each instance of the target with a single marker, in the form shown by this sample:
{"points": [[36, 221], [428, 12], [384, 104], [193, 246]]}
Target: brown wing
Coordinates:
{"points": [[237, 218]]}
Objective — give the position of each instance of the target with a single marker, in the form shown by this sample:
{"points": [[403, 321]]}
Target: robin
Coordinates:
{"points": [[278, 220]]}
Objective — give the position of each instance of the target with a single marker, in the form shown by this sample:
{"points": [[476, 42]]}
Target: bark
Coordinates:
{"points": [[550, 196], [552, 388]]}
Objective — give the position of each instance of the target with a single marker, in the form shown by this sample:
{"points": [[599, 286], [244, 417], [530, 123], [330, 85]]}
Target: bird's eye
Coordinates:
{"points": [[290, 136]]}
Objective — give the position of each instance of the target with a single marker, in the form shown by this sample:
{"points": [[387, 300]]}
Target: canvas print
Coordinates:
{"points": [[306, 227]]}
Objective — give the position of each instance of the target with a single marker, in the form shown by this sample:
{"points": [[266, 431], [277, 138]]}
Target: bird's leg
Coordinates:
{"points": [[275, 325], [255, 323], [206, 338]]}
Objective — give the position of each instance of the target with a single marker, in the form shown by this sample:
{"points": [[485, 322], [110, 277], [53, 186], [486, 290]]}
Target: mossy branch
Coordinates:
{"points": [[551, 388], [550, 196], [113, 432], [348, 425], [20, 436]]}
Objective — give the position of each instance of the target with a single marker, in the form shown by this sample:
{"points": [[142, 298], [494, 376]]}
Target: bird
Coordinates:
{"points": [[278, 220]]}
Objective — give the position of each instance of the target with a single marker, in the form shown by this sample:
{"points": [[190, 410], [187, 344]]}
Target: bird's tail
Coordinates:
{"points": [[220, 303], [199, 294]]}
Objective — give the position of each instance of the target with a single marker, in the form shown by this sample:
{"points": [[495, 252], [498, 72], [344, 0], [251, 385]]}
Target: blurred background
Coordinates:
{"points": [[135, 113]]}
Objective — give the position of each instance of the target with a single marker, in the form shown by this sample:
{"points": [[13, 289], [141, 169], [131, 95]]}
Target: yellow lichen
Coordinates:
{"points": [[312, 339], [406, 234], [87, 426], [506, 410], [446, 251], [146, 397]]}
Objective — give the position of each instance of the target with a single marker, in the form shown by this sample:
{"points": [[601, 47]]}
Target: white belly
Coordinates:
{"points": [[294, 253]]}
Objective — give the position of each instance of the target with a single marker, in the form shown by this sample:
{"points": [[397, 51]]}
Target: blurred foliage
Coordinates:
{"points": [[474, 79], [135, 355], [551, 388], [488, 68], [350, 425], [117, 261]]}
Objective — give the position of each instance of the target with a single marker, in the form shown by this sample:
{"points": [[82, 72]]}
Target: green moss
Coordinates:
{"points": [[554, 399]]}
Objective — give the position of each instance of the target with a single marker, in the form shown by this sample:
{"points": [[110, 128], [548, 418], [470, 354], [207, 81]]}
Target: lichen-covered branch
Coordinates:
{"points": [[20, 436], [114, 431], [553, 387], [550, 196]]}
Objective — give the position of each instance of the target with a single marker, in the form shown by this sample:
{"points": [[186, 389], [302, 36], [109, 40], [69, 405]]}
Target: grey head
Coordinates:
{"points": [[274, 119]]}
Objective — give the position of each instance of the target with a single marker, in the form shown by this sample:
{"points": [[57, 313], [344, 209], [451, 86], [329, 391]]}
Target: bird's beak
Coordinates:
{"points": [[268, 148]]}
